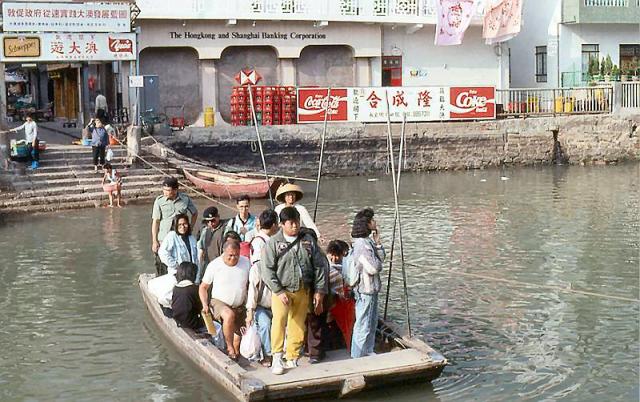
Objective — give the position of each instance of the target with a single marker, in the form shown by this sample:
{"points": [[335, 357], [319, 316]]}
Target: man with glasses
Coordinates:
{"points": [[244, 222], [165, 208], [210, 240]]}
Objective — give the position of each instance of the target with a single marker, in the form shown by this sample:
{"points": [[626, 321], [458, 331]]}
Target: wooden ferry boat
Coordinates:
{"points": [[231, 185], [403, 359]]}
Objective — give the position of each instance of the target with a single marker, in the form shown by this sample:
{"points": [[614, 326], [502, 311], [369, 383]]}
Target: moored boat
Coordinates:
{"points": [[403, 359], [231, 185]]}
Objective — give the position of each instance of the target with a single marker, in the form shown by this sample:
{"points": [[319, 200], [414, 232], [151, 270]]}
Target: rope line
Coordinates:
{"points": [[182, 183], [525, 284]]}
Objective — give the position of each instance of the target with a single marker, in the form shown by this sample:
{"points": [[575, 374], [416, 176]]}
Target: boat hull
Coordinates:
{"points": [[228, 185], [340, 377]]}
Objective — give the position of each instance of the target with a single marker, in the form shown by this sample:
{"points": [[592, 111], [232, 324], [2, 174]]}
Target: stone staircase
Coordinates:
{"points": [[66, 180]]}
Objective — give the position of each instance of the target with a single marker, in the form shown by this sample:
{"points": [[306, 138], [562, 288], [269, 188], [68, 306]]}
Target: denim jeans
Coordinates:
{"points": [[364, 329], [263, 323]]}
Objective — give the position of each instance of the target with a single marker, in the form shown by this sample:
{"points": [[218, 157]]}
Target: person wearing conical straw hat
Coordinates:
{"points": [[289, 195]]}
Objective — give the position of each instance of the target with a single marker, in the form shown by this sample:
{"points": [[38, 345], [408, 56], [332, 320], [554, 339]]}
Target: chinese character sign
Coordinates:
{"points": [[72, 47], [415, 103], [52, 17]]}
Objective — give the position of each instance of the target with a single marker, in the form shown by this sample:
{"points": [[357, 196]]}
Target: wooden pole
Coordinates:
{"points": [[397, 213], [264, 164], [324, 132], [395, 216]]}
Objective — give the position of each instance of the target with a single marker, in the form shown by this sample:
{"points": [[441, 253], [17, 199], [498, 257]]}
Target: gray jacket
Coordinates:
{"points": [[280, 270], [368, 262]]}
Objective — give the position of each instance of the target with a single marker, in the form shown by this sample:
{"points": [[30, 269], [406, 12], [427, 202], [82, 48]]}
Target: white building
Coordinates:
{"points": [[196, 47], [559, 37]]}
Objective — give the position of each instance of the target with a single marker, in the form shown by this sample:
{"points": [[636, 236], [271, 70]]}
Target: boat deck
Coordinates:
{"points": [[338, 374]]}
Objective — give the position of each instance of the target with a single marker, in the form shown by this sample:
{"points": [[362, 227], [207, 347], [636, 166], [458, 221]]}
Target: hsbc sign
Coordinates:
{"points": [[369, 105]]}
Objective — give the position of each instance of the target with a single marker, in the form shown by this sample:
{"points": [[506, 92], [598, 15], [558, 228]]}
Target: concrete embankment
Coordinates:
{"points": [[359, 149]]}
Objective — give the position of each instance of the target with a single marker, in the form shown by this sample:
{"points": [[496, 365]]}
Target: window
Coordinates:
{"points": [[629, 59], [541, 64], [589, 52]]}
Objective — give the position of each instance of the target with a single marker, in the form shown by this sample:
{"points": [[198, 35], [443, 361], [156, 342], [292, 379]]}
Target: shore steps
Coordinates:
{"points": [[66, 180]]}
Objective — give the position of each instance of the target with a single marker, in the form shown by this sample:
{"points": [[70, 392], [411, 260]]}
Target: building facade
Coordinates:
{"points": [[560, 38], [196, 50]]}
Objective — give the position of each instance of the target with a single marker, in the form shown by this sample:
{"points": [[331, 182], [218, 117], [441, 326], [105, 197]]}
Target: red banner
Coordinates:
{"points": [[472, 103], [312, 103]]}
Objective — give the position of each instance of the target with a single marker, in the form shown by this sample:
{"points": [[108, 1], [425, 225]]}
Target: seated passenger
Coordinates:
{"points": [[228, 278], [259, 295], [185, 302]]}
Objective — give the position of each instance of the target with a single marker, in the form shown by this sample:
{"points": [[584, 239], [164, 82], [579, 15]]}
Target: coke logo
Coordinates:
{"points": [[471, 101], [319, 102], [120, 45]]}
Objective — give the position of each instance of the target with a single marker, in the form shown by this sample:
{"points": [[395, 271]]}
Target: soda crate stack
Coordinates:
{"points": [[274, 105]]}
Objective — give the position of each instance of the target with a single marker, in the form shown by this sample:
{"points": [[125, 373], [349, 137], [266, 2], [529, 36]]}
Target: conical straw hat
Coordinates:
{"points": [[289, 187]]}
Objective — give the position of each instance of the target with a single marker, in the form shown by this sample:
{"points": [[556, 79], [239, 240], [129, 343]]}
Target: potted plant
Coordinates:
{"points": [[615, 73], [625, 74], [636, 75], [602, 69]]}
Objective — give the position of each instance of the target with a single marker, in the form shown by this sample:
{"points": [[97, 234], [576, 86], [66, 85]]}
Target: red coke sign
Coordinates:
{"points": [[312, 103], [117, 45], [472, 103]]}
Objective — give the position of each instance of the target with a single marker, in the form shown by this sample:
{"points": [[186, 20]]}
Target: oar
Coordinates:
{"points": [[264, 164], [324, 132]]}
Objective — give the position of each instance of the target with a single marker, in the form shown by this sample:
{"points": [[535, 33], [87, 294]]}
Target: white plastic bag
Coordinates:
{"points": [[250, 346], [109, 155]]}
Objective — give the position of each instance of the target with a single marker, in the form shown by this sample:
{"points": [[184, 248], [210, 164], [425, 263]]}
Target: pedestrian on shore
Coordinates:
{"points": [[31, 138], [101, 107], [368, 255], [210, 240], [99, 142], [228, 278], [289, 195], [112, 184], [165, 208], [293, 267]]}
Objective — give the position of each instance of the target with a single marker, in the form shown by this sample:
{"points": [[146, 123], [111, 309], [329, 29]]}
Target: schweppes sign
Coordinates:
{"points": [[21, 46]]}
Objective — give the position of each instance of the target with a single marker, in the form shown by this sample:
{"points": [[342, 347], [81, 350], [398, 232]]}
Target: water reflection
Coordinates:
{"points": [[73, 325]]}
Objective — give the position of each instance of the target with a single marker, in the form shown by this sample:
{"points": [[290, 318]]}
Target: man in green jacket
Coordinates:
{"points": [[293, 266]]}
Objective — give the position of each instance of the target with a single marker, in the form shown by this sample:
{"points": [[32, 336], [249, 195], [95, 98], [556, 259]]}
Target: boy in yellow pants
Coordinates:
{"points": [[293, 266]]}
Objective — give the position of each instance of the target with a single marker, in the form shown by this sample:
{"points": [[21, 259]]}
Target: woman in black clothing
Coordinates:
{"points": [[185, 302]]}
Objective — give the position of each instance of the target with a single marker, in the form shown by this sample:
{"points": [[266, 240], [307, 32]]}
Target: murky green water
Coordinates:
{"points": [[73, 325]]}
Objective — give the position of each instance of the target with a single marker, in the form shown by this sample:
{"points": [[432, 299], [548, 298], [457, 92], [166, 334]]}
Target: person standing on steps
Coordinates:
{"points": [[31, 138], [101, 107], [99, 142]]}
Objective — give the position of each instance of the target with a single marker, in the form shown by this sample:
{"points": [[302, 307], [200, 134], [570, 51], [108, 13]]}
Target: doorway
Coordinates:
{"points": [[391, 71]]}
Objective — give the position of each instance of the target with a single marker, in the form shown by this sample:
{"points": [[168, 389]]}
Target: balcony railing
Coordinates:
{"points": [[555, 101], [607, 3], [383, 11]]}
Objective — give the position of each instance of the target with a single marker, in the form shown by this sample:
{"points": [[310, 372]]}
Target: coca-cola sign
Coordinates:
{"points": [[312, 102], [120, 45], [472, 103]]}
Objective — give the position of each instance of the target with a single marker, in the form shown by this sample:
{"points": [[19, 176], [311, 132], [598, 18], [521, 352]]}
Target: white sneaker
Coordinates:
{"points": [[276, 364], [291, 364]]}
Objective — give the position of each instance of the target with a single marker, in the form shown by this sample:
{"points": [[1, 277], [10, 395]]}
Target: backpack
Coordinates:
{"points": [[350, 273]]}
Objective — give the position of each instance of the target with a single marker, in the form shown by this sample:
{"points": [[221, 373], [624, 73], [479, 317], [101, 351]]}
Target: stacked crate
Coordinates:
{"points": [[274, 105]]}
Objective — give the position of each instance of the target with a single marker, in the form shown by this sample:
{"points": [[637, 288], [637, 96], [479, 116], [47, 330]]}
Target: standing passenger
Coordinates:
{"points": [[292, 266], [244, 221], [210, 240], [165, 208], [259, 295], [368, 255], [289, 195]]}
